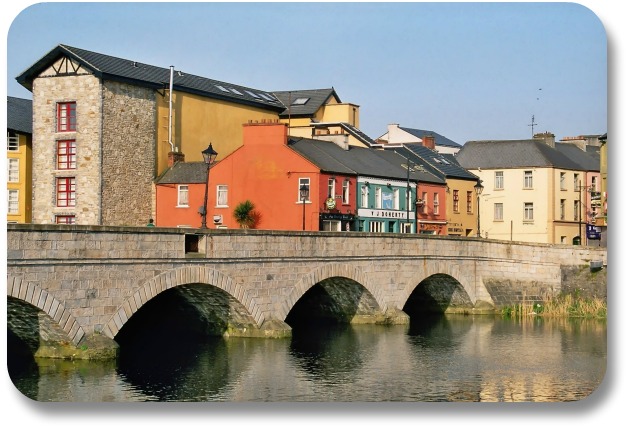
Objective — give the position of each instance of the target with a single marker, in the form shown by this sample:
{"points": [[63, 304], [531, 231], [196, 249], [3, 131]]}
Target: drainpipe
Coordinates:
{"points": [[172, 149]]}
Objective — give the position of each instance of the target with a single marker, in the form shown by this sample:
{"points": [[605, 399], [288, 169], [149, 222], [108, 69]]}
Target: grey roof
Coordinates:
{"points": [[440, 162], [330, 157], [20, 115], [439, 140], [315, 99], [184, 173], [493, 154], [140, 74], [588, 160]]}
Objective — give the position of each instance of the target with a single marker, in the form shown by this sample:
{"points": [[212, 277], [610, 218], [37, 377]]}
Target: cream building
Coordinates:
{"points": [[533, 191]]}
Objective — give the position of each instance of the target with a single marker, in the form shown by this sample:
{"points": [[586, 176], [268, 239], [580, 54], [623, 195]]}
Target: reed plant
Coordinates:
{"points": [[564, 305]]}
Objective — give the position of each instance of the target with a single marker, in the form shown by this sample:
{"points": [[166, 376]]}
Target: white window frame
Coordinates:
{"points": [[396, 198], [378, 198], [183, 195], [563, 204], [302, 181], [406, 228], [345, 192], [13, 201], [563, 178], [331, 188], [13, 170], [527, 180], [528, 212], [376, 226], [498, 211], [364, 203], [576, 182], [499, 180], [222, 196], [13, 142], [424, 207], [436, 204]]}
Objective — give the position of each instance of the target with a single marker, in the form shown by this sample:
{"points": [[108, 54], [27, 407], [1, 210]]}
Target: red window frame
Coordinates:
{"points": [[66, 192], [66, 154], [66, 117], [65, 219]]}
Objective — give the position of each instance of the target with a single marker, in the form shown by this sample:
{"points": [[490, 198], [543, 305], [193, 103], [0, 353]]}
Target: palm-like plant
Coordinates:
{"points": [[244, 214]]}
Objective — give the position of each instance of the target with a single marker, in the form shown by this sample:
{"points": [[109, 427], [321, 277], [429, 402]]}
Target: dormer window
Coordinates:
{"points": [[300, 101]]}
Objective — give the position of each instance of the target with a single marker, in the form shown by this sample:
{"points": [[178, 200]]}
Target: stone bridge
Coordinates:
{"points": [[71, 290]]}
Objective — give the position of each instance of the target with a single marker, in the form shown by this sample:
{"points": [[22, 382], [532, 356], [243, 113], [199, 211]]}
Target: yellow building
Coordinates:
{"points": [[19, 157], [533, 192]]}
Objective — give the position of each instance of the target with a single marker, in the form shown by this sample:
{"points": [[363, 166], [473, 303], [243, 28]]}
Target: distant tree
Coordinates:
{"points": [[244, 214]]}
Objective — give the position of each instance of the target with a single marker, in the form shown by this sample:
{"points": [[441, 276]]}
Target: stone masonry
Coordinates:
{"points": [[92, 279]]}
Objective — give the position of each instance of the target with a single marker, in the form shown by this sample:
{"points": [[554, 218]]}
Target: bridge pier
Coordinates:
{"points": [[91, 347], [273, 329]]}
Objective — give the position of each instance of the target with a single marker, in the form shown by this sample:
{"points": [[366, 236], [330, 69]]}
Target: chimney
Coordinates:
{"points": [[547, 137], [429, 142], [174, 157]]}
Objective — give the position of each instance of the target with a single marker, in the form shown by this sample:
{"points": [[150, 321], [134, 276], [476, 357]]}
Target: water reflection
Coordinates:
{"points": [[454, 358]]}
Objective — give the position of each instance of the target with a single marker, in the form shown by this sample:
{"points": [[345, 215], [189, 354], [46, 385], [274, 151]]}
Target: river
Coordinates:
{"points": [[450, 358]]}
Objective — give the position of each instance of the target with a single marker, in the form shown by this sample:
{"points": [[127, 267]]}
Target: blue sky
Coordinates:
{"points": [[468, 71]]}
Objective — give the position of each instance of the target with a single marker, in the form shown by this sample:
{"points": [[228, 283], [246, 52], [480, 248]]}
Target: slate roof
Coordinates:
{"points": [[439, 140], [140, 74], [588, 160], [20, 115], [315, 99], [330, 157], [184, 173], [440, 162], [492, 154]]}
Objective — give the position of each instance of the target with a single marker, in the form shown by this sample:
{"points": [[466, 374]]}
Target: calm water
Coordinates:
{"points": [[454, 358]]}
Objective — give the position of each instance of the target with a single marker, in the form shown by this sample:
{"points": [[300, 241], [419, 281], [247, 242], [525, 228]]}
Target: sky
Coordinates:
{"points": [[468, 71]]}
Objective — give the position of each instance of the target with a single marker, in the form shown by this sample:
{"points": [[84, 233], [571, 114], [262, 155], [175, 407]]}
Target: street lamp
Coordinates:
{"points": [[304, 191], [209, 156], [478, 191]]}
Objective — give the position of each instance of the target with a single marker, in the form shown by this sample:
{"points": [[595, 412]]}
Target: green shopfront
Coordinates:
{"points": [[385, 205]]}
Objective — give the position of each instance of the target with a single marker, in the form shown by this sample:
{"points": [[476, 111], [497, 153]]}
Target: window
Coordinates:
{"points": [[594, 184], [576, 182], [563, 239], [300, 101], [66, 117], [66, 154], [13, 201], [562, 209], [182, 195], [395, 196], [406, 228], [365, 197], [527, 179], [331, 188], [222, 193], [499, 179], [66, 192], [563, 186], [436, 203], [408, 197], [498, 211], [65, 219], [13, 170], [456, 202], [303, 182], [376, 226], [378, 197], [13, 142], [424, 207], [331, 225], [528, 211], [576, 211], [469, 202], [345, 192]]}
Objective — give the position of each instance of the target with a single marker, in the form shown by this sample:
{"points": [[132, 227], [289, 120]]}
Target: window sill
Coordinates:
{"points": [[182, 206], [221, 206]]}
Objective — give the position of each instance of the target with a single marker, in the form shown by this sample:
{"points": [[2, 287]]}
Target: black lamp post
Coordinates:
{"points": [[478, 191], [304, 191], [209, 156]]}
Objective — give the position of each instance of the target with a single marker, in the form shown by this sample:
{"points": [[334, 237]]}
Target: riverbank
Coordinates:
{"points": [[573, 304]]}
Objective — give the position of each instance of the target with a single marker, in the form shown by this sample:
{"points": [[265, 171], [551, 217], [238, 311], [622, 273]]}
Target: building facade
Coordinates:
{"points": [[19, 160]]}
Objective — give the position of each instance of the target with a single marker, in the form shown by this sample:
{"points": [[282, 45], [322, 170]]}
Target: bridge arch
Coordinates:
{"points": [[456, 271], [324, 272], [44, 301], [174, 278]]}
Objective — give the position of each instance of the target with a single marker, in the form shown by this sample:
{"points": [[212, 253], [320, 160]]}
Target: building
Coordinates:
{"points": [[401, 135], [122, 119], [460, 193], [533, 192], [19, 159], [602, 220]]}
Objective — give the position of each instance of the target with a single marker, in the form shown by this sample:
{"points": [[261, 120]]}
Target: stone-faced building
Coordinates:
{"points": [[104, 127]]}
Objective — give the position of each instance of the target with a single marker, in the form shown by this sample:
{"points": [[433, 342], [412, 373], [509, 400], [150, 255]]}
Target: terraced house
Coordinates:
{"points": [[105, 127]]}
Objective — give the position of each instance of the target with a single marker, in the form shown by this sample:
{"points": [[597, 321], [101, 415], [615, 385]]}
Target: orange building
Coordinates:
{"points": [[266, 172]]}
